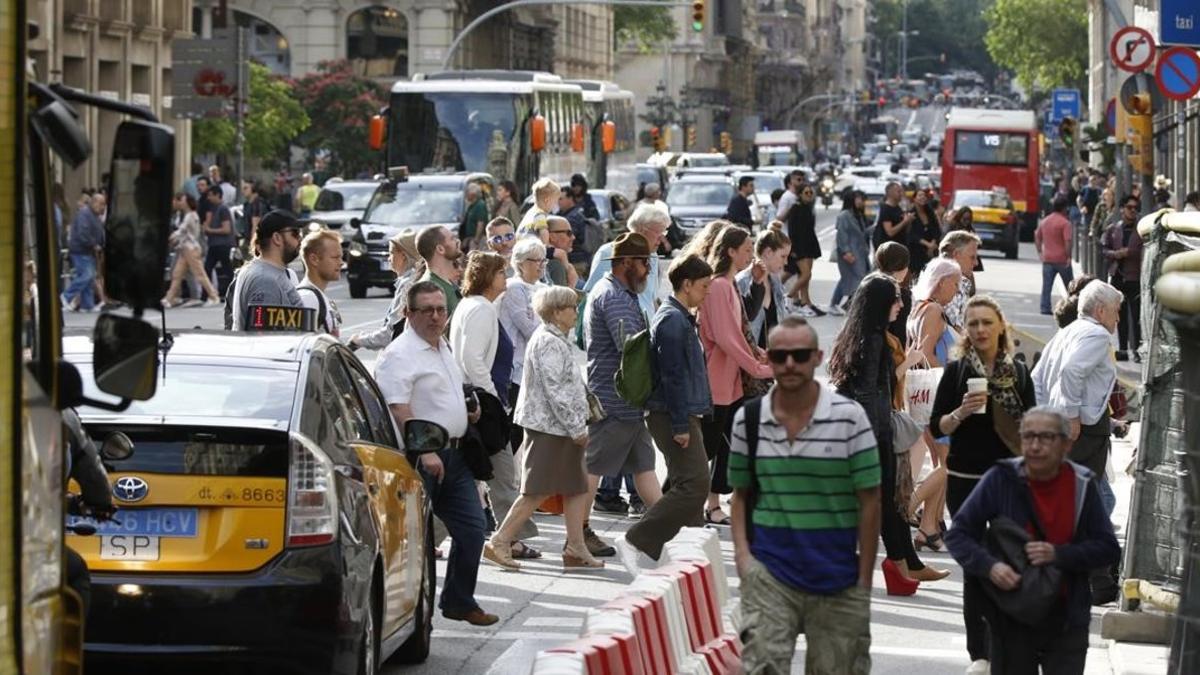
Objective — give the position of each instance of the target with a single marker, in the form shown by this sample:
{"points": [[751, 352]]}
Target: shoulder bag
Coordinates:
{"points": [[1033, 600]]}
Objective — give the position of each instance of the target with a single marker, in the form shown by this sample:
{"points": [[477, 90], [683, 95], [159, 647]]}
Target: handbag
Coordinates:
{"points": [[920, 388], [1034, 599], [905, 431], [752, 387]]}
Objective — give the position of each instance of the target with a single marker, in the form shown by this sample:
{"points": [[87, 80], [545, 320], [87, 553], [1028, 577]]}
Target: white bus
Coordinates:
{"points": [[779, 148], [615, 169], [514, 125]]}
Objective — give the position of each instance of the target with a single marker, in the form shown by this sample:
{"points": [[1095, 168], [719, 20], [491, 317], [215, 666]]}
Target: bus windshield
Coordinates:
{"points": [[991, 147], [452, 131]]}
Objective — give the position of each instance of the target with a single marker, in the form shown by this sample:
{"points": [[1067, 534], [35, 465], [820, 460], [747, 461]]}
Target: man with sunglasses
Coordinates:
{"points": [[501, 238], [266, 281], [1053, 241], [1058, 503], [806, 515], [1122, 247], [562, 238]]}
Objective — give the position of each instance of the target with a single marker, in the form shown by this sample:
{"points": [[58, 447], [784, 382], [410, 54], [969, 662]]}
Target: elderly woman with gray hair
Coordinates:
{"points": [[553, 408], [651, 221], [516, 312]]}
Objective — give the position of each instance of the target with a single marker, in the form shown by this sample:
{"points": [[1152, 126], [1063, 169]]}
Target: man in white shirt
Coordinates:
{"points": [[1076, 373], [420, 379], [322, 255]]}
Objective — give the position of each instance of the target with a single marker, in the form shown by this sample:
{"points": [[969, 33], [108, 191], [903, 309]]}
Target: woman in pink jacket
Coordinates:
{"points": [[727, 353]]}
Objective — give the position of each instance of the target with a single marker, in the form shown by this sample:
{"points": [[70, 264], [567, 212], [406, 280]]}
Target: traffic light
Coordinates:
{"points": [[698, 16], [691, 136], [1066, 131], [1140, 104]]}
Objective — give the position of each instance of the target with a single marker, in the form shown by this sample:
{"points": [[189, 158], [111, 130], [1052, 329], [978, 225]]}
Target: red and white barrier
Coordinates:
{"points": [[600, 655], [694, 543], [645, 617]]}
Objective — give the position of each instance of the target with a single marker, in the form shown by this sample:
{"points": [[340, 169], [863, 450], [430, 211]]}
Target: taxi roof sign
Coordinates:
{"points": [[276, 318]]}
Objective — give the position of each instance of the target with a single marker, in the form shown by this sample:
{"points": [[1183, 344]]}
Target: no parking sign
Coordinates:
{"points": [[1178, 73]]}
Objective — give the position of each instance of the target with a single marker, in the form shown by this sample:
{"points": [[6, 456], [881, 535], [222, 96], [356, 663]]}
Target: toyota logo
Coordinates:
{"points": [[130, 489]]}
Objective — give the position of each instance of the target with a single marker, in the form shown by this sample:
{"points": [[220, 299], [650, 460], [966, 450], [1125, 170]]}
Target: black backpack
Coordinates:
{"points": [[752, 412], [322, 308]]}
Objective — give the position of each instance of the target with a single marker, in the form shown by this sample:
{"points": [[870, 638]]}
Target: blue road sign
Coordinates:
{"points": [[1179, 23], [1178, 73], [1064, 103], [1049, 129]]}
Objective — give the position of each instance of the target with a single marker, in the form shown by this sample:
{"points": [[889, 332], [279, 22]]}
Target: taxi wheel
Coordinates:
{"points": [[368, 653], [416, 648]]}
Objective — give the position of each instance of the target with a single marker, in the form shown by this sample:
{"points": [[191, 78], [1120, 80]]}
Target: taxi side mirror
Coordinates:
{"points": [[422, 436]]}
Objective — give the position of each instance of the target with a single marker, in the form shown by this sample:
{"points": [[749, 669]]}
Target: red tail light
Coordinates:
{"points": [[312, 511]]}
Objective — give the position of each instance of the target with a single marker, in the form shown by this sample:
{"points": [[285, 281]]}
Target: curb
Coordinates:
{"points": [[1125, 381]]}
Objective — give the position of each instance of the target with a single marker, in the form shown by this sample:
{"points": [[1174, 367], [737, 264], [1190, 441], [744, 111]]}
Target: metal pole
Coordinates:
{"points": [[243, 75], [522, 3], [904, 42], [796, 108]]}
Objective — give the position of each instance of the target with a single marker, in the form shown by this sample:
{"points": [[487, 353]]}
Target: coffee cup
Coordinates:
{"points": [[976, 384]]}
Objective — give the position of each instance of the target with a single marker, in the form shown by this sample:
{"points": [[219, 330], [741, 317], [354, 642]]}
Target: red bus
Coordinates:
{"points": [[987, 149]]}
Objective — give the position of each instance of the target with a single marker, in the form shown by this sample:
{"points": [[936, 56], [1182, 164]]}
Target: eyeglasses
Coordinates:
{"points": [[536, 261], [1040, 436], [780, 356], [430, 312], [567, 231], [501, 238], [291, 230]]}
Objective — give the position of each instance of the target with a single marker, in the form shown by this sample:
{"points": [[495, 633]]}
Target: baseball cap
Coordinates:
{"points": [[277, 220]]}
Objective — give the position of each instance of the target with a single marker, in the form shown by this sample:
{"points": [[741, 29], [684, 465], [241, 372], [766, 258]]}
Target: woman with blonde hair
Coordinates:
{"points": [[927, 325], [982, 425], [702, 243], [408, 266], [553, 409]]}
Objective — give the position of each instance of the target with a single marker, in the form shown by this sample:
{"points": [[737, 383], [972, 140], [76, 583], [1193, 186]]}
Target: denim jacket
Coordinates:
{"points": [[680, 376], [754, 303]]}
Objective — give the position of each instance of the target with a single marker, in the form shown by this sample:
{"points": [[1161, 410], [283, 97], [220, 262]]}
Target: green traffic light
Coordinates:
{"points": [[698, 26]]}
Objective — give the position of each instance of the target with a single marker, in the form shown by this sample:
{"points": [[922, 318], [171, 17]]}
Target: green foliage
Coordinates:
{"points": [[951, 27], [647, 27], [341, 104], [1044, 42], [273, 120]]}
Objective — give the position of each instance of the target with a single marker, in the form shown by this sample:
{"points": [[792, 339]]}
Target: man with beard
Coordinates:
{"points": [[620, 443], [265, 281], [440, 248]]}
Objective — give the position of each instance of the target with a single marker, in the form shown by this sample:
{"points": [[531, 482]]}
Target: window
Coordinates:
{"points": [[379, 417], [991, 147], [341, 406]]}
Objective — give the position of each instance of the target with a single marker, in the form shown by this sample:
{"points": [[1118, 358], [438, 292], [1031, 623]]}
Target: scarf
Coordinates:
{"points": [[1002, 388]]}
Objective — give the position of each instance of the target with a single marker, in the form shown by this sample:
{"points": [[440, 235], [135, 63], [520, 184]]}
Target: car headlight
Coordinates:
{"points": [[357, 248], [827, 183]]}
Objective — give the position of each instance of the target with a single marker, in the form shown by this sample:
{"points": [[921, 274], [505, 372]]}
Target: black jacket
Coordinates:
{"points": [[738, 211]]}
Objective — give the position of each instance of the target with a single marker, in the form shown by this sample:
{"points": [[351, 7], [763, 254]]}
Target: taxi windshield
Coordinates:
{"points": [[193, 390]]}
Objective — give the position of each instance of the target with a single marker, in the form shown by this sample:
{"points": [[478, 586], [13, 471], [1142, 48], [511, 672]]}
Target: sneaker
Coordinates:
{"points": [[637, 510], [610, 505], [597, 546], [212, 303], [835, 310], [806, 311], [979, 667], [629, 556], [71, 305], [817, 311]]}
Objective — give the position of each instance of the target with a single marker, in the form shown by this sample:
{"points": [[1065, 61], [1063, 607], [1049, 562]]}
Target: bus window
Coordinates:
{"points": [[991, 147]]}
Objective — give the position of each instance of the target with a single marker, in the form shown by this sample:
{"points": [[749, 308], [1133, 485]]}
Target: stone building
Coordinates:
{"points": [[115, 48]]}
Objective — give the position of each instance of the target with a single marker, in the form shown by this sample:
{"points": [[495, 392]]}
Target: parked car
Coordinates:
{"points": [[994, 218], [268, 517], [419, 202]]}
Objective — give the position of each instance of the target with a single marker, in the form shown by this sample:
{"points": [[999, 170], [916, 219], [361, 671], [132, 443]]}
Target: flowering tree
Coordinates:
{"points": [[273, 119], [340, 104]]}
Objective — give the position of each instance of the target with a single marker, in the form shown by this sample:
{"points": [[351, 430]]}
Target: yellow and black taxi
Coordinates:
{"points": [[268, 518], [994, 218]]}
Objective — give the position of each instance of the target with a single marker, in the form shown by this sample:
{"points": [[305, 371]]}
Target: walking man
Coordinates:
{"points": [[1076, 373], [738, 210], [264, 281], [806, 514], [420, 379], [620, 443], [891, 223], [441, 248], [85, 243], [680, 398], [218, 229], [559, 271], [1053, 241], [1047, 494], [322, 254], [1122, 248], [963, 248]]}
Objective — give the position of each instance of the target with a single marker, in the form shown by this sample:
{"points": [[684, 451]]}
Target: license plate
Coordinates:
{"points": [[984, 235], [149, 522], [128, 547]]}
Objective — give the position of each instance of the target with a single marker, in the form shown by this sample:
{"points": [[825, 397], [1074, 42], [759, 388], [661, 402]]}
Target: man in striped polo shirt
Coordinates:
{"points": [[812, 485]]}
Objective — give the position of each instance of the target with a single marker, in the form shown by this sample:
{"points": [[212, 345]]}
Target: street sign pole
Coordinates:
{"points": [[243, 70]]}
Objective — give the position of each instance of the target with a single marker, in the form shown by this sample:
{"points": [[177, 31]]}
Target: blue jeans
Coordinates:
{"points": [[1107, 497], [851, 277], [83, 280], [456, 503], [610, 488], [1049, 270]]}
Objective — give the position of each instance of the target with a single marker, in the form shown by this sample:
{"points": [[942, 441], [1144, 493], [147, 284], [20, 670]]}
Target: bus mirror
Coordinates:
{"points": [[139, 213], [577, 137], [608, 136], [537, 133], [125, 357], [60, 129], [376, 132]]}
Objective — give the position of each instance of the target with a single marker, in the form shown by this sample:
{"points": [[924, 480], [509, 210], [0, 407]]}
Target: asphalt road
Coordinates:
{"points": [[543, 606]]}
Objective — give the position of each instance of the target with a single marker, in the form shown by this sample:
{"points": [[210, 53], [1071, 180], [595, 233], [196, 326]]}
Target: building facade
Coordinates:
{"points": [[115, 48]]}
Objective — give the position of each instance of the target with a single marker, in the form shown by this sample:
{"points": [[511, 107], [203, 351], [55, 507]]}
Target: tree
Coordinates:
{"points": [[647, 27], [951, 27], [341, 104], [273, 119], [1044, 42]]}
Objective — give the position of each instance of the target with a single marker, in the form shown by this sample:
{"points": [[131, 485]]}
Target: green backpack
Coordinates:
{"points": [[633, 380]]}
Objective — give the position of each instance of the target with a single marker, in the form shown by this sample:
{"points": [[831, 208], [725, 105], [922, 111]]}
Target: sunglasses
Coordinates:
{"points": [[780, 356], [566, 231], [501, 238]]}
